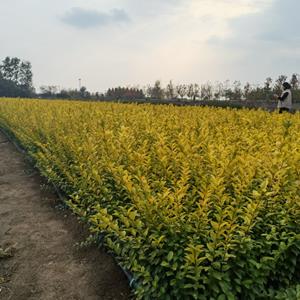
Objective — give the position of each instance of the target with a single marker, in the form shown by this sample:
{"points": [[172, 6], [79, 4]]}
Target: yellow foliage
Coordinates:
{"points": [[196, 183]]}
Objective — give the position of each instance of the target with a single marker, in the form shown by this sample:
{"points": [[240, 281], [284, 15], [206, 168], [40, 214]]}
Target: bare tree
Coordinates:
{"points": [[170, 91], [206, 91], [218, 91], [196, 91], [190, 91], [181, 90], [193, 91]]}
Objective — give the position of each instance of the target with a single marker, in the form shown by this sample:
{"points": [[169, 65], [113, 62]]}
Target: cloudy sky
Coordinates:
{"points": [[134, 42]]}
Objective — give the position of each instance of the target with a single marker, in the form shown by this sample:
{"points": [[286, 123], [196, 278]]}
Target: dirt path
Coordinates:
{"points": [[45, 263]]}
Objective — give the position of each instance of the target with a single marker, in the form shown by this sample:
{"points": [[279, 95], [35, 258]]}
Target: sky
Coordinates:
{"points": [[110, 43]]}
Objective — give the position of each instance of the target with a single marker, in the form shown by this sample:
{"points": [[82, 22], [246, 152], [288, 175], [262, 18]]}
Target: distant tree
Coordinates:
{"points": [[170, 91], [268, 84], [84, 93], [156, 92], [268, 88], [295, 81], [181, 90], [63, 94], [17, 71], [246, 91], [25, 75], [49, 91], [256, 93], [227, 92], [237, 91], [16, 77], [124, 93], [278, 84], [196, 91], [10, 69], [10, 89], [193, 91], [206, 92], [218, 91], [190, 91], [146, 90]]}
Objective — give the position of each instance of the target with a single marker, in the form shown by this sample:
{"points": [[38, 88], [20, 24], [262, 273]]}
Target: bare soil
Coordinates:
{"points": [[40, 259]]}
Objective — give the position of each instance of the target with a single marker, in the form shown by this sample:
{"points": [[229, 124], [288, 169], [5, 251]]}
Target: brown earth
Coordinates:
{"points": [[45, 262]]}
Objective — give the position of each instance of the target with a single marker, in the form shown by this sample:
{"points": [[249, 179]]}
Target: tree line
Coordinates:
{"points": [[192, 92], [16, 81], [223, 90]]}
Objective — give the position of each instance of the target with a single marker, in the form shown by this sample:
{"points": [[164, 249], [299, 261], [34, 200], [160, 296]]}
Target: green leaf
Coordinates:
{"points": [[170, 255], [165, 264]]}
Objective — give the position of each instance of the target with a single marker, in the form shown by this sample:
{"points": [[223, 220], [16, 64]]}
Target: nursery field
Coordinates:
{"points": [[195, 202]]}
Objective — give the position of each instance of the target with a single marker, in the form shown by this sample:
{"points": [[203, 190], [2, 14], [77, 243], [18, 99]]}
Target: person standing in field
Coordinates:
{"points": [[286, 99]]}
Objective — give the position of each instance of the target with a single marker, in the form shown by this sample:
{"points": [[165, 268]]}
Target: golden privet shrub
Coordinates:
{"points": [[198, 203]]}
